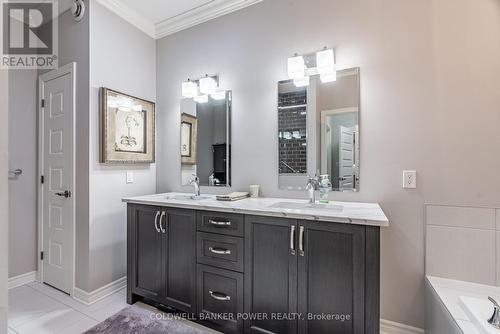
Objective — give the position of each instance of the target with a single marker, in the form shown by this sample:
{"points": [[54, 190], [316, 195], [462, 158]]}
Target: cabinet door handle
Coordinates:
{"points": [[292, 239], [217, 223], [156, 221], [161, 226], [301, 240], [221, 251], [219, 296]]}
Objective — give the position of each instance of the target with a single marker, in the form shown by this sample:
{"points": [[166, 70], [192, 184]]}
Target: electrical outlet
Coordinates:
{"points": [[130, 177], [409, 179]]}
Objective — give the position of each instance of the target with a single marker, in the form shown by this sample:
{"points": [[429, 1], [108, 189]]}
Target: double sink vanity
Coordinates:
{"points": [[264, 265], [257, 265]]}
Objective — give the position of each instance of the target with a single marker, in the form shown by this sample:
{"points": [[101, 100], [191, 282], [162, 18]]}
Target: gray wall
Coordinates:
{"points": [[23, 139], [3, 200], [122, 58], [429, 101], [23, 154]]}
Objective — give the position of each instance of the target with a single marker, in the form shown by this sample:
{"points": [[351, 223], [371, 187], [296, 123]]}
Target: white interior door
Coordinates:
{"points": [[57, 205], [346, 158]]}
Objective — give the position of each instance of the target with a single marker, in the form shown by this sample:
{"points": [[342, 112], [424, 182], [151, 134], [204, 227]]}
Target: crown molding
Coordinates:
{"points": [[200, 15], [188, 19], [129, 15]]}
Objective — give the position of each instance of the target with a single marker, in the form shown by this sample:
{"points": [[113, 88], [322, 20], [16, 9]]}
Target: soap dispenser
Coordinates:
{"points": [[324, 189]]}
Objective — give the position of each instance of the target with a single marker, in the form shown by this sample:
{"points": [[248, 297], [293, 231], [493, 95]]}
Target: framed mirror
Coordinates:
{"points": [[205, 143], [318, 131]]}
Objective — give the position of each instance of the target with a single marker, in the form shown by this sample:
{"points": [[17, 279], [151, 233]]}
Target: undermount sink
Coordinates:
{"points": [[302, 206], [186, 197]]}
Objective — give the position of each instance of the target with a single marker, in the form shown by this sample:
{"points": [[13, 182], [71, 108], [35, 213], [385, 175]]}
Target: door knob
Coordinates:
{"points": [[66, 194]]}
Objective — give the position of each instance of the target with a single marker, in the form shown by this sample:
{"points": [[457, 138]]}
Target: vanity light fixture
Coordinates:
{"points": [[189, 89], [322, 63], [208, 85]]}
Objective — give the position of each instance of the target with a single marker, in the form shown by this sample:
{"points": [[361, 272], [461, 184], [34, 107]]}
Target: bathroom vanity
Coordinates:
{"points": [[257, 265]]}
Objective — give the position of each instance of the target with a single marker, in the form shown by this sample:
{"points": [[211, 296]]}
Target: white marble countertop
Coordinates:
{"points": [[341, 212], [457, 296]]}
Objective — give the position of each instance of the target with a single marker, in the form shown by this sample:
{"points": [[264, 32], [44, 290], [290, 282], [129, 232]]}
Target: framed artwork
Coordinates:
{"points": [[189, 134], [127, 128]]}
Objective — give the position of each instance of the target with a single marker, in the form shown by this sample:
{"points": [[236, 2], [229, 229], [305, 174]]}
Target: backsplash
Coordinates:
{"points": [[292, 127]]}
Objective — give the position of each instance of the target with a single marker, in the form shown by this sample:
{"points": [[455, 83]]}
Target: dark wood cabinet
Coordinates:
{"points": [[162, 256], [331, 278], [145, 244], [323, 276], [270, 274], [180, 259], [273, 275]]}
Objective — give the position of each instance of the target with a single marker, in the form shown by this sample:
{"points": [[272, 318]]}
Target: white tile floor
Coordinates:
{"points": [[39, 309]]}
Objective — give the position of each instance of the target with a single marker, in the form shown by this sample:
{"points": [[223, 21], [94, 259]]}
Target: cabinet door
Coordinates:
{"points": [[179, 263], [270, 274], [145, 252], [331, 278]]}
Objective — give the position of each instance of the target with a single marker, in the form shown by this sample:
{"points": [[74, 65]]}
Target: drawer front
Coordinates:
{"points": [[220, 298], [220, 251], [220, 222]]}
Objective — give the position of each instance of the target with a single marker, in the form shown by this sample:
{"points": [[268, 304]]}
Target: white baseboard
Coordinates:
{"points": [[98, 294], [391, 327], [23, 279]]}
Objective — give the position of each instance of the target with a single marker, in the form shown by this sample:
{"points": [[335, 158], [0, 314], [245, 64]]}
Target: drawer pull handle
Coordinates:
{"points": [[217, 223], [221, 251], [219, 296]]}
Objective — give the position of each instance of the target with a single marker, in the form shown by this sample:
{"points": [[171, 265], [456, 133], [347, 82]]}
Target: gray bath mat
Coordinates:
{"points": [[137, 320]]}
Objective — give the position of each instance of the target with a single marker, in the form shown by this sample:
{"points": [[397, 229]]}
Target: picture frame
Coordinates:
{"points": [[127, 128], [189, 134]]}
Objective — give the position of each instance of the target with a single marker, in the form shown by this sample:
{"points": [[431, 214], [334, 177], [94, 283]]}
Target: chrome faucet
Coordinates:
{"points": [[494, 320], [311, 187], [195, 182]]}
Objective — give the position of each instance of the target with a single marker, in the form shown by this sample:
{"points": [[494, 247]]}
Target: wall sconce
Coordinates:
{"points": [[322, 63], [200, 89]]}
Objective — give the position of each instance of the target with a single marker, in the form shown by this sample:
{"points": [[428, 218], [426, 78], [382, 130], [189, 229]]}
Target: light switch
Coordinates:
{"points": [[130, 177], [409, 179]]}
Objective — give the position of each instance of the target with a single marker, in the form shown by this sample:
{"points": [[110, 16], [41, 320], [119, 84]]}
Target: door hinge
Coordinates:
{"points": [[42, 179], [43, 103], [41, 256]]}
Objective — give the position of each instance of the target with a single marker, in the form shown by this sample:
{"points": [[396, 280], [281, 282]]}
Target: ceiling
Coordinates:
{"points": [[159, 18]]}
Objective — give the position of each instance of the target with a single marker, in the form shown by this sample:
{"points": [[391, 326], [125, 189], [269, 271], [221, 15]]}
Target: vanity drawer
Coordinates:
{"points": [[220, 222], [220, 251], [220, 294]]}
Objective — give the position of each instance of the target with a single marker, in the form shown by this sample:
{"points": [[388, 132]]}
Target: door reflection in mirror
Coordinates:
{"points": [[318, 131], [205, 141]]}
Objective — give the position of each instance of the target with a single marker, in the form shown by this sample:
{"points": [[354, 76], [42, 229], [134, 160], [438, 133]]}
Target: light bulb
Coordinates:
{"points": [[201, 98], [301, 82], [208, 85], [221, 95], [189, 89], [325, 61], [296, 67], [329, 77]]}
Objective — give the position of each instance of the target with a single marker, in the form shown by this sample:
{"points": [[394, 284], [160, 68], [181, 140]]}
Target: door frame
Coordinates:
{"points": [[54, 74], [324, 114]]}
